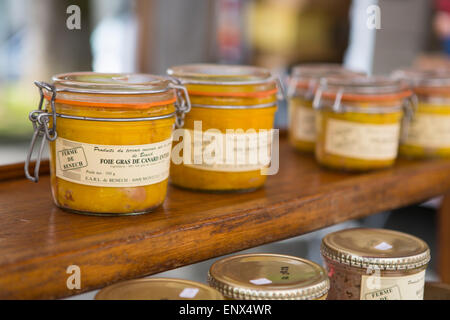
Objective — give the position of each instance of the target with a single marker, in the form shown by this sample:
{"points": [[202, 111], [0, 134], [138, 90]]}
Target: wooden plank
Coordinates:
{"points": [[38, 241], [443, 226], [16, 170]]}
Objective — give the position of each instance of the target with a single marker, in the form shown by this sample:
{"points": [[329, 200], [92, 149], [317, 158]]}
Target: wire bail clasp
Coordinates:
{"points": [[40, 119], [183, 104]]}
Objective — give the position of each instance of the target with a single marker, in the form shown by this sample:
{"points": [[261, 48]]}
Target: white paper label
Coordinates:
{"points": [[303, 123], [112, 166], [393, 288], [188, 293], [229, 152], [361, 140], [261, 281], [429, 131]]}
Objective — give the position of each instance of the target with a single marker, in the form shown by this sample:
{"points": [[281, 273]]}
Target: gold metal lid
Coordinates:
{"points": [[268, 277], [376, 248], [158, 289]]}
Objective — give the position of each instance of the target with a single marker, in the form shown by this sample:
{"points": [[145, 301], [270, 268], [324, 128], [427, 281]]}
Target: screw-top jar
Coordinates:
{"points": [[303, 83], [158, 289], [230, 122], [427, 134], [375, 264], [358, 121], [110, 140], [268, 277]]}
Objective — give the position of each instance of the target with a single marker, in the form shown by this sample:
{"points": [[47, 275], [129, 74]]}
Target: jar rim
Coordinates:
{"points": [[220, 74], [426, 81], [379, 248], [110, 83], [319, 70], [226, 276]]}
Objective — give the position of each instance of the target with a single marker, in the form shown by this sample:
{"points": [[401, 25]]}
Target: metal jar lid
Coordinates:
{"points": [[158, 289], [375, 248], [268, 277], [426, 82]]}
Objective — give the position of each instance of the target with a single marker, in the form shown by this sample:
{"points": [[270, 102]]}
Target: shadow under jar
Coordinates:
{"points": [[358, 122], [375, 264], [302, 85], [228, 130], [265, 276], [110, 140], [427, 134]]}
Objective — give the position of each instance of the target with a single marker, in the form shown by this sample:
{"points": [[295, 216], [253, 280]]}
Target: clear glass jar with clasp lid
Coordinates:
{"points": [[375, 264], [265, 276], [358, 121], [158, 289], [231, 124], [302, 85], [427, 134], [110, 140]]}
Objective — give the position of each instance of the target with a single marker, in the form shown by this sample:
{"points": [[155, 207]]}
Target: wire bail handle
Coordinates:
{"points": [[40, 119], [410, 108], [183, 104]]}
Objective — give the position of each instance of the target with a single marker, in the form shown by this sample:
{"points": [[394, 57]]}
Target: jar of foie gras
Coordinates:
{"points": [[228, 133], [427, 134], [158, 289], [110, 140], [375, 264], [358, 121], [268, 277], [302, 85]]}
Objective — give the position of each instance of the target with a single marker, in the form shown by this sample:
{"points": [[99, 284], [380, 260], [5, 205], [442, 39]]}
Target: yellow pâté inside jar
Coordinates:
{"points": [[266, 276], [375, 264], [358, 122], [114, 136], [232, 104], [302, 85], [158, 289], [427, 134]]}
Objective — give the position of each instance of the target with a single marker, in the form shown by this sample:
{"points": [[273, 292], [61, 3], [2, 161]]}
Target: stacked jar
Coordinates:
{"points": [[358, 121], [227, 134], [302, 85], [427, 134]]}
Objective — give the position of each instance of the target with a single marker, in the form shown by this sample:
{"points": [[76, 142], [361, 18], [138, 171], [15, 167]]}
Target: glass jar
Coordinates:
{"points": [[266, 276], [427, 134], [158, 289], [110, 140], [302, 85], [358, 122], [375, 264], [228, 129]]}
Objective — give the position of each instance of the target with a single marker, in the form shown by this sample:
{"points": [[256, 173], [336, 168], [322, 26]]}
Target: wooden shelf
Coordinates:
{"points": [[39, 241]]}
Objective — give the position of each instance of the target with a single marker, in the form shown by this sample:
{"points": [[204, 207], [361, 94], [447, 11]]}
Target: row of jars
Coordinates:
{"points": [[113, 143], [360, 264], [357, 123]]}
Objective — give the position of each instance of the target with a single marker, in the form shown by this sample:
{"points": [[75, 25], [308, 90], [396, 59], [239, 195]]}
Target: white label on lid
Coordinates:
{"points": [[410, 287], [362, 140], [111, 165], [260, 281], [188, 293], [429, 131], [383, 246]]}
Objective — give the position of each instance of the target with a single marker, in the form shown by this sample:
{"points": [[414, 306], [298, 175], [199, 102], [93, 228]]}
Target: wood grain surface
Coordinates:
{"points": [[39, 241]]}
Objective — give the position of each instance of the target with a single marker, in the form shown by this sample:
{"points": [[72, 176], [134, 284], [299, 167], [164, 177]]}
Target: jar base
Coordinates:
{"points": [[217, 191], [108, 214]]}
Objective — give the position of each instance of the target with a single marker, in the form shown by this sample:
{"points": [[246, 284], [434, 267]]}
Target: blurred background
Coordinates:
{"points": [[151, 35]]}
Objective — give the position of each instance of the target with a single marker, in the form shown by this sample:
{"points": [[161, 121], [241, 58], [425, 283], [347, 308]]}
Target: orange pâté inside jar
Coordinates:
{"points": [[358, 121], [110, 140], [302, 85], [233, 105]]}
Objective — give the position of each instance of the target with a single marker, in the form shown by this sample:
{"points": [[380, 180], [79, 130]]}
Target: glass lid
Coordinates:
{"points": [[220, 74], [110, 83], [268, 276]]}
